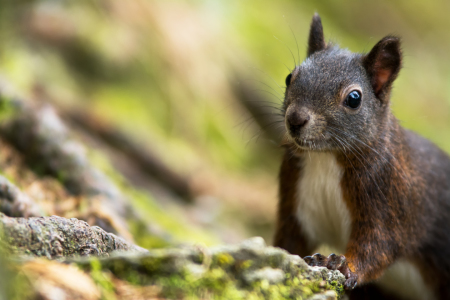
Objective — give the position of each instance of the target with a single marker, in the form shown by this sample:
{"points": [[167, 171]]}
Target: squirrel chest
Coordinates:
{"points": [[321, 209]]}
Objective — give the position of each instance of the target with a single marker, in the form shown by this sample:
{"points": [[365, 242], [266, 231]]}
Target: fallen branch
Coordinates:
{"points": [[46, 142], [13, 202], [143, 158]]}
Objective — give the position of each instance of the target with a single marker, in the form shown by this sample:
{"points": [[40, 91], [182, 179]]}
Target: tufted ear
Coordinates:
{"points": [[383, 64], [316, 41]]}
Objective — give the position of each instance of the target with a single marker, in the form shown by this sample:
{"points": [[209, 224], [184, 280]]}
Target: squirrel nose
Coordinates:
{"points": [[297, 120]]}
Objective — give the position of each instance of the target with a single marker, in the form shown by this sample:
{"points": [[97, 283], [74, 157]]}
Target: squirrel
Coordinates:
{"points": [[353, 179]]}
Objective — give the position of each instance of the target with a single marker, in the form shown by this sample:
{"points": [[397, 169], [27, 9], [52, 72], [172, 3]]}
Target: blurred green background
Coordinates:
{"points": [[186, 79]]}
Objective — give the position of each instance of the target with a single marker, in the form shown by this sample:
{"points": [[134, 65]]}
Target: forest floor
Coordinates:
{"points": [[88, 248]]}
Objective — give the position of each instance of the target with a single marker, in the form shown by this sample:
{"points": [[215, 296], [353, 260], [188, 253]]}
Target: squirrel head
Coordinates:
{"points": [[336, 97]]}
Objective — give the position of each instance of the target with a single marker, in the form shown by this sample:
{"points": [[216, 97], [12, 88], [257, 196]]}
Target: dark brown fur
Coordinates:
{"points": [[288, 233], [395, 183]]}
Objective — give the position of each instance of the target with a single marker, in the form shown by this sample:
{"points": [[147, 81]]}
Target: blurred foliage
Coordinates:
{"points": [[13, 284], [165, 72]]}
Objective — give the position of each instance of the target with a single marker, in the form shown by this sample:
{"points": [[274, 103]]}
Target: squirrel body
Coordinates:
{"points": [[353, 179], [326, 220]]}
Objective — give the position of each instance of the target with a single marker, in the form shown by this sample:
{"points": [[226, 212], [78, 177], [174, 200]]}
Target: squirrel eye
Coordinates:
{"points": [[353, 99], [288, 80]]}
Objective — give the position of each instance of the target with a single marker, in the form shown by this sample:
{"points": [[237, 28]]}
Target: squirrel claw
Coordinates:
{"points": [[316, 260], [334, 262], [308, 260], [351, 282]]}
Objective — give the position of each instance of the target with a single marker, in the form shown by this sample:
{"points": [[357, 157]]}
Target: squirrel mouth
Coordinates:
{"points": [[311, 144]]}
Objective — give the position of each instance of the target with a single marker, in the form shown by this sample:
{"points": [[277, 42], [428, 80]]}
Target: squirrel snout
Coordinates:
{"points": [[297, 119]]}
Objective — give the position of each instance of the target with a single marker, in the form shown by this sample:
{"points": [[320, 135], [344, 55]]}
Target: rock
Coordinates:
{"points": [[249, 269], [256, 242], [328, 295], [56, 237], [273, 276]]}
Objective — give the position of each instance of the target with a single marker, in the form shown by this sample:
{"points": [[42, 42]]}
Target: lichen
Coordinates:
{"points": [[60, 238]]}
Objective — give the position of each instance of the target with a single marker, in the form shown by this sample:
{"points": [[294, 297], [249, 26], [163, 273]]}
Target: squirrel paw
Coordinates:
{"points": [[334, 262]]}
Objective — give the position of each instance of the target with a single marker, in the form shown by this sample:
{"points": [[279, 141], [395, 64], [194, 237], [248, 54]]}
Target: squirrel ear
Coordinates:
{"points": [[383, 64], [316, 41]]}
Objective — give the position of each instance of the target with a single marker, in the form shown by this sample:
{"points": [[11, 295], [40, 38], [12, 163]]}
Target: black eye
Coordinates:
{"points": [[288, 80], [353, 99]]}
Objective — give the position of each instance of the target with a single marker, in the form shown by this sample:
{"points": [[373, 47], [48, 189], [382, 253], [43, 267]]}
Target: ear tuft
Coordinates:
{"points": [[383, 64], [316, 41]]}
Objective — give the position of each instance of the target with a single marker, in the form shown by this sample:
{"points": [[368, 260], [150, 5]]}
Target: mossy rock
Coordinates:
{"points": [[250, 270]]}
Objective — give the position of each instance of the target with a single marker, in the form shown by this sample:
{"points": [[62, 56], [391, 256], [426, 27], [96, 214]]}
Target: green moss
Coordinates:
{"points": [[135, 278], [14, 285], [200, 258], [223, 260], [102, 279], [285, 290], [338, 288], [215, 283], [316, 287], [221, 281], [7, 109], [151, 264], [244, 265], [17, 286], [275, 260], [142, 237]]}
